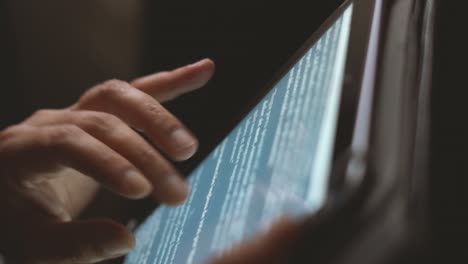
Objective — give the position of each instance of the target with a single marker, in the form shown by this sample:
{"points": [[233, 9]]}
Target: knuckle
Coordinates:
{"points": [[40, 116], [114, 82], [7, 134], [108, 89], [99, 122], [43, 113], [161, 118], [61, 135], [112, 88], [156, 111]]}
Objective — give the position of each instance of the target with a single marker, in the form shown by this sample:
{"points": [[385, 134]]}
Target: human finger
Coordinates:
{"points": [[143, 112], [272, 247], [70, 146], [165, 86], [168, 186], [76, 242]]}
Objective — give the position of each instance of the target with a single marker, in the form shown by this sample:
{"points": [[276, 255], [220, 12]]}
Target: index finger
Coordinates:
{"points": [[141, 111], [165, 86]]}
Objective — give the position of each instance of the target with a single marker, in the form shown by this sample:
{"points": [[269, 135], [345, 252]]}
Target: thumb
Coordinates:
{"points": [[273, 247], [88, 241]]}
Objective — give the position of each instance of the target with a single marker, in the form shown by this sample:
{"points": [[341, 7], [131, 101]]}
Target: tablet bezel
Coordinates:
{"points": [[357, 63], [357, 54]]}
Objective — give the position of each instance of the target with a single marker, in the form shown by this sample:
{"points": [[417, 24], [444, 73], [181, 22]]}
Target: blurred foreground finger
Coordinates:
{"points": [[76, 242], [273, 247]]}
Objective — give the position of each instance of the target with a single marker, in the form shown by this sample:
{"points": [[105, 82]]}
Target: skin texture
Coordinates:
{"points": [[53, 164], [275, 246]]}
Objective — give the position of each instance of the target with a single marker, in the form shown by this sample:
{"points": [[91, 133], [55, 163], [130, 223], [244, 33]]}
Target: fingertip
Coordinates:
{"points": [[180, 191], [86, 241], [202, 70], [173, 191], [115, 241], [117, 249], [117, 235], [134, 185], [181, 144], [206, 63], [165, 86], [210, 67], [186, 152]]}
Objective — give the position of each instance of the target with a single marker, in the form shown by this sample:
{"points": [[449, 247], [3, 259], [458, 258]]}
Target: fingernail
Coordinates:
{"points": [[185, 143], [136, 185], [118, 250], [118, 255], [178, 188]]}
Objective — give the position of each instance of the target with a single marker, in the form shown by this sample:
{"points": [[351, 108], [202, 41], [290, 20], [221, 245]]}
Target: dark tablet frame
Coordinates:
{"points": [[352, 115], [349, 165], [347, 186]]}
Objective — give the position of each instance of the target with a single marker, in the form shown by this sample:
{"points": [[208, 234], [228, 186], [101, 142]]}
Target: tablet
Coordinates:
{"points": [[279, 159]]}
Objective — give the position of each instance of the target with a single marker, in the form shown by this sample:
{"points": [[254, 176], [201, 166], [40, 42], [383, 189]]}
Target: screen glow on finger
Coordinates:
{"points": [[276, 162]]}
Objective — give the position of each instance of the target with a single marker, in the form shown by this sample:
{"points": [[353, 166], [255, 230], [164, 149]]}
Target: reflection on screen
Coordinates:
{"points": [[275, 162]]}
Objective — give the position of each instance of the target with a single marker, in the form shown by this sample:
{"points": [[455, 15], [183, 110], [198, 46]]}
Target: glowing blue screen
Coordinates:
{"points": [[275, 162]]}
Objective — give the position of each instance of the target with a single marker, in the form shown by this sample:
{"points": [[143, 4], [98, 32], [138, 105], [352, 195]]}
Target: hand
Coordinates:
{"points": [[276, 246], [52, 164]]}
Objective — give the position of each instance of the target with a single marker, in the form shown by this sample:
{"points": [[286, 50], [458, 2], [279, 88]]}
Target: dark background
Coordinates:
{"points": [[449, 146], [249, 42]]}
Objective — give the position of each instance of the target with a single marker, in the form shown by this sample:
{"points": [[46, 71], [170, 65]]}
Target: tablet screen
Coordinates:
{"points": [[275, 162]]}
